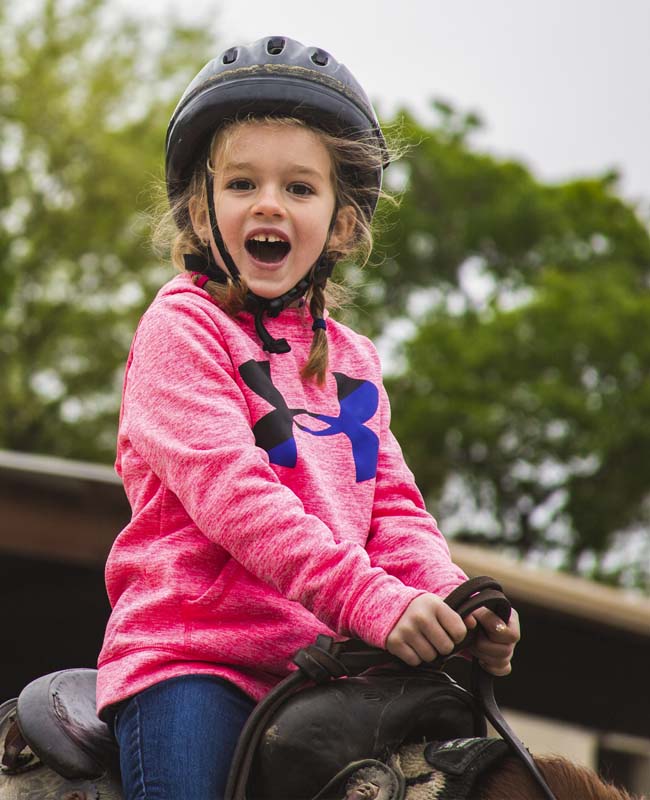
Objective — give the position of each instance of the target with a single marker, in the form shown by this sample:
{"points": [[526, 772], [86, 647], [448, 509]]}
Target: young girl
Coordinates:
{"points": [[270, 501]]}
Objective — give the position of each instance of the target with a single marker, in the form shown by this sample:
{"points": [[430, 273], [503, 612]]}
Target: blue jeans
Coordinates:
{"points": [[178, 737]]}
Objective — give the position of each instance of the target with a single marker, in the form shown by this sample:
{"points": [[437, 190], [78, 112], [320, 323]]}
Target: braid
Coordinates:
{"points": [[231, 298], [316, 365]]}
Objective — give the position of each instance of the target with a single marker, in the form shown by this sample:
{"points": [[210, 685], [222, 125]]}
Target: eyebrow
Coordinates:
{"points": [[302, 169]]}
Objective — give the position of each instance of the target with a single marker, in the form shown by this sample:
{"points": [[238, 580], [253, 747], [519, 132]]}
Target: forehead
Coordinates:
{"points": [[282, 143]]}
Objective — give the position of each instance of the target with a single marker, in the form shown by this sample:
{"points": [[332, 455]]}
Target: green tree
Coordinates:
{"points": [[519, 375], [520, 388], [85, 98]]}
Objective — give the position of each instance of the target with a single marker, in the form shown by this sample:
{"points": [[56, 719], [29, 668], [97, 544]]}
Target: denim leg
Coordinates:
{"points": [[177, 738]]}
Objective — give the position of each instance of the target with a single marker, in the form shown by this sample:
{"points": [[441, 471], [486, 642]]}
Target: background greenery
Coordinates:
{"points": [[514, 314]]}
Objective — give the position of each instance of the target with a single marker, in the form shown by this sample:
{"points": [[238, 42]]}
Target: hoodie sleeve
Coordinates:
{"points": [[404, 538], [185, 414]]}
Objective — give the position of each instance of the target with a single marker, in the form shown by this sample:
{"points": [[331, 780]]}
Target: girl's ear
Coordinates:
{"points": [[200, 218], [343, 231]]}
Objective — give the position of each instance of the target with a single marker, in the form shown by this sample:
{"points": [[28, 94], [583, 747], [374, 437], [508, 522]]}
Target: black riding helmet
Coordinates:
{"points": [[275, 76]]}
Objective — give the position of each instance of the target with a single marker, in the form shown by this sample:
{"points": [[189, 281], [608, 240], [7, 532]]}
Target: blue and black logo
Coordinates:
{"points": [[358, 402]]}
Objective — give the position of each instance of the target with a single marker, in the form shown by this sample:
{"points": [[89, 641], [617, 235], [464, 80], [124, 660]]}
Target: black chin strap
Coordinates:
{"points": [[216, 233], [206, 265], [258, 306]]}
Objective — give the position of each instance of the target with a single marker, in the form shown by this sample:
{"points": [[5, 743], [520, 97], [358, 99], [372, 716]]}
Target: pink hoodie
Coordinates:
{"points": [[266, 510]]}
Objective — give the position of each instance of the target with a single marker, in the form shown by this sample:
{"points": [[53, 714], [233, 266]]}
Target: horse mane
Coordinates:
{"points": [[568, 781]]}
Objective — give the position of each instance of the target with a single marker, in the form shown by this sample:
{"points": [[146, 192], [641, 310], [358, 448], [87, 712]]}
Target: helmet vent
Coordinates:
{"points": [[320, 58], [230, 56], [275, 46]]}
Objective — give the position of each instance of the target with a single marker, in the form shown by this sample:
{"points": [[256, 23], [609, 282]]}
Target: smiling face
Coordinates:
{"points": [[274, 200]]}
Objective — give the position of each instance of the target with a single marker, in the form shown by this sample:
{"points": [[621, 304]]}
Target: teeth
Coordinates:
{"points": [[266, 237]]}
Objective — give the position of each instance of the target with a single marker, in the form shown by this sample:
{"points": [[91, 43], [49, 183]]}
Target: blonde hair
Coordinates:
{"points": [[350, 157]]}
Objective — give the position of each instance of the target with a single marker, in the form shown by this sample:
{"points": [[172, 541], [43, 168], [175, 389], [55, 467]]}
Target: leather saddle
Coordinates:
{"points": [[54, 720], [323, 729], [299, 739]]}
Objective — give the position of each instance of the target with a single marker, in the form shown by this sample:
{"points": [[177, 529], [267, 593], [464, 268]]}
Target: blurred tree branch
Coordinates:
{"points": [[85, 98]]}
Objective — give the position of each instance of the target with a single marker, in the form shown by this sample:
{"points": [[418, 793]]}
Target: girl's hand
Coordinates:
{"points": [[496, 641], [428, 628]]}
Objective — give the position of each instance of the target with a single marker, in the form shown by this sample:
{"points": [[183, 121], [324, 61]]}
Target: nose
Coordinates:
{"points": [[268, 202]]}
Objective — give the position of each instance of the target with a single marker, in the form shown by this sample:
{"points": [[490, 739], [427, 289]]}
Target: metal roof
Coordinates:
{"points": [[93, 497], [557, 591], [28, 463]]}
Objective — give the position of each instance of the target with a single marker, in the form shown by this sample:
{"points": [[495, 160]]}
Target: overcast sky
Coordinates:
{"points": [[563, 85]]}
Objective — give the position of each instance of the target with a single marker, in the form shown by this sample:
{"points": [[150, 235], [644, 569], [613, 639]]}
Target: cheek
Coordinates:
{"points": [[316, 237], [227, 216], [319, 224]]}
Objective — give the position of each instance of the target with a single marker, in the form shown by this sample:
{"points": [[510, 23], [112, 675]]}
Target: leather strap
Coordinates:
{"points": [[483, 690], [253, 731], [326, 660]]}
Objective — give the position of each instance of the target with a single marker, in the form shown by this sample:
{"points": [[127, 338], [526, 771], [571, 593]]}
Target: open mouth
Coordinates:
{"points": [[267, 248]]}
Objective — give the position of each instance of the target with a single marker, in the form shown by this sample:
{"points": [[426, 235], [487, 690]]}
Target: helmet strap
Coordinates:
{"points": [[216, 233]]}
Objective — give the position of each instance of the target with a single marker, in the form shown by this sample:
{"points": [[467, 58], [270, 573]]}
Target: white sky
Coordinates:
{"points": [[563, 85]]}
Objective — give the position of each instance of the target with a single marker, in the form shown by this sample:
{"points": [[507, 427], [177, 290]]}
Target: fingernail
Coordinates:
{"points": [[500, 628]]}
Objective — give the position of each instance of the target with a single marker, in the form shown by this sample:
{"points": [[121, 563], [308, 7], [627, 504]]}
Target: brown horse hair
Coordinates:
{"points": [[510, 780]]}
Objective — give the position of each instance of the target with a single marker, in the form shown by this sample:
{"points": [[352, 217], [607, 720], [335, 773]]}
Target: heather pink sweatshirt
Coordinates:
{"points": [[266, 510]]}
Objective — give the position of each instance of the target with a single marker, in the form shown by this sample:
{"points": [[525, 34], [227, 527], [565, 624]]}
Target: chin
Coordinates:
{"points": [[266, 291], [273, 286]]}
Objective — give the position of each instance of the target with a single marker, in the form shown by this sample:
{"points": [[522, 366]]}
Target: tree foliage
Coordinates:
{"points": [[521, 393], [85, 98], [518, 311]]}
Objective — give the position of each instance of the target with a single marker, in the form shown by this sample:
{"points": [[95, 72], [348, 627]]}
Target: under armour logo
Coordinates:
{"points": [[358, 402]]}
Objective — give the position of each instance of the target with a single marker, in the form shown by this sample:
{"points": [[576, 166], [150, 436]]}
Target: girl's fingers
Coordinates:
{"points": [[492, 625], [453, 625], [414, 646], [486, 647], [423, 648], [429, 628], [438, 640], [470, 622], [496, 629], [406, 653], [499, 669], [493, 657], [409, 656]]}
